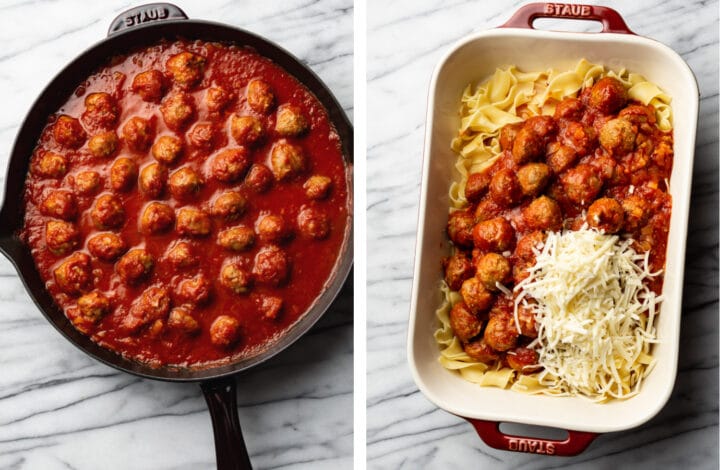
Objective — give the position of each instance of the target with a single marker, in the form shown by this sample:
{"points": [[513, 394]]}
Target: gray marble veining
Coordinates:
{"points": [[406, 431], [59, 409]]}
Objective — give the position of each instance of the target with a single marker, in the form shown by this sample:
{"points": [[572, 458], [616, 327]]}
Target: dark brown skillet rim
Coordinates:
{"points": [[55, 94]]}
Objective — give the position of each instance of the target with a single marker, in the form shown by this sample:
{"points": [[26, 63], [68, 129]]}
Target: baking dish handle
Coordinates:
{"points": [[230, 450], [143, 14], [611, 20], [490, 433]]}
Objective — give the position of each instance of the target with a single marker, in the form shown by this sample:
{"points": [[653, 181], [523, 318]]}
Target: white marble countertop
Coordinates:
{"points": [[406, 431], [59, 409]]}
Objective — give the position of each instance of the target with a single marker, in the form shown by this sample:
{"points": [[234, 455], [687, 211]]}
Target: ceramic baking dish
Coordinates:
{"points": [[475, 58]]}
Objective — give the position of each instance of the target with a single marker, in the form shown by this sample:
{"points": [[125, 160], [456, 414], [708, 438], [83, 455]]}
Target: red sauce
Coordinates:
{"points": [[311, 260]]}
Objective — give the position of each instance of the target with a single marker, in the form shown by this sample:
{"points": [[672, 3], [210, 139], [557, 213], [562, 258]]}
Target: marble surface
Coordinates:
{"points": [[406, 431], [59, 409]]}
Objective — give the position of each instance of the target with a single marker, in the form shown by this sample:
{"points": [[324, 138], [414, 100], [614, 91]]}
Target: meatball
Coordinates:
{"points": [[135, 266], [543, 126], [494, 235], [238, 238], [229, 205], [167, 149], [193, 222], [476, 186], [108, 212], [152, 180], [123, 173], [91, 307], [570, 109], [464, 323], [501, 333], [86, 183], [68, 132], [61, 237], [74, 275], [617, 136], [638, 114], [272, 228], [543, 214], [186, 69], [313, 223], [527, 146], [290, 121], [317, 187], [508, 134], [224, 331], [50, 165], [533, 178], [458, 268], [230, 164], [181, 319], [139, 133], [101, 110], [178, 110], [560, 157], [480, 351], [195, 291], [272, 266], [152, 306], [269, 306], [636, 211], [579, 137], [486, 209], [246, 130], [526, 319], [181, 255], [184, 183], [259, 96], [477, 298], [150, 85], [527, 245], [504, 188], [606, 214], [259, 178], [582, 184], [522, 359], [217, 99], [236, 277], [606, 167], [103, 145], [607, 96], [106, 246], [156, 218], [202, 136], [493, 269], [60, 204], [460, 228], [287, 160]]}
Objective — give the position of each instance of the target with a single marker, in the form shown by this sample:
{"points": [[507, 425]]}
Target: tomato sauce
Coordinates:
{"points": [[311, 260]]}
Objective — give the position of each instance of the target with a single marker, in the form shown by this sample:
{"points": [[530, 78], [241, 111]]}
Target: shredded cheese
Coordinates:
{"points": [[594, 313]]}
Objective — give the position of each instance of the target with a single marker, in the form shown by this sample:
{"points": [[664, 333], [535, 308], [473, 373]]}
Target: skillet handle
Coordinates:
{"points": [[611, 20], [148, 13], [230, 450], [489, 432]]}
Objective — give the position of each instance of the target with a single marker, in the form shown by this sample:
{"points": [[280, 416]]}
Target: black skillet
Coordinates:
{"points": [[143, 26]]}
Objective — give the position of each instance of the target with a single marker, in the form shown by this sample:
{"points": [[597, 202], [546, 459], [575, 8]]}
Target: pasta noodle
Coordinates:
{"points": [[511, 96]]}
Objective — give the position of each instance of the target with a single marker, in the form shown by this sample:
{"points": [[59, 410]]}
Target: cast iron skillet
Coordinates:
{"points": [[142, 26]]}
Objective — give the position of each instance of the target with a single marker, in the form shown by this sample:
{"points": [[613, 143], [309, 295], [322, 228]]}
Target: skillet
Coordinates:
{"points": [[137, 27]]}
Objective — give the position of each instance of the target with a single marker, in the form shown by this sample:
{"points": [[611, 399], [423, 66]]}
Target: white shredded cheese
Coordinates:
{"points": [[594, 313]]}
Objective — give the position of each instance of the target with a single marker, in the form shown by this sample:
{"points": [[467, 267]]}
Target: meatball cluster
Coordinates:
{"points": [[595, 163]]}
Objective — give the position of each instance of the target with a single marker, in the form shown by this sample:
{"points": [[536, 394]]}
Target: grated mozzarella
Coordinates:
{"points": [[594, 313]]}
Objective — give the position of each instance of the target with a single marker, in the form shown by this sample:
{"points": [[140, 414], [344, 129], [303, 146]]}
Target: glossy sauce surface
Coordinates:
{"points": [[311, 259]]}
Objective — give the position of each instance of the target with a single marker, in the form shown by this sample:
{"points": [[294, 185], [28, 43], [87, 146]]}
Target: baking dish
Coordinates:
{"points": [[475, 58]]}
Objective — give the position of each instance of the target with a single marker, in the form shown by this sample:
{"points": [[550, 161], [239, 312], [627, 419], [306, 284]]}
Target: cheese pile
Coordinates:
{"points": [[594, 313]]}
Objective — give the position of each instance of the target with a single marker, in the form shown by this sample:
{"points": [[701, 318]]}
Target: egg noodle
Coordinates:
{"points": [[511, 96]]}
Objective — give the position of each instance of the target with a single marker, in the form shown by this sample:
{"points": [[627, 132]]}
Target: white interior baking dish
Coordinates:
{"points": [[475, 58]]}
